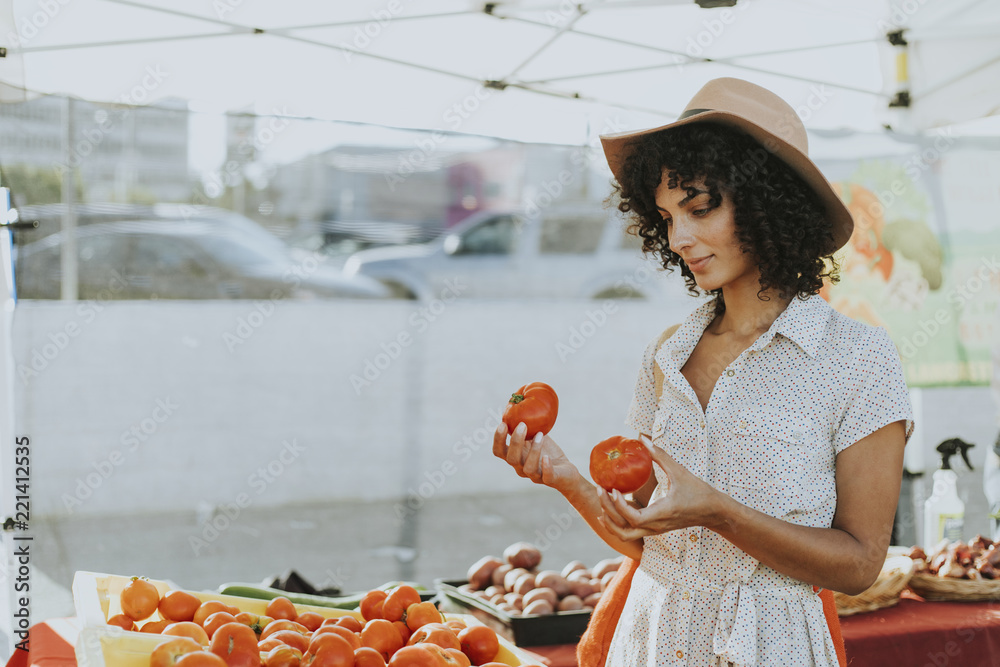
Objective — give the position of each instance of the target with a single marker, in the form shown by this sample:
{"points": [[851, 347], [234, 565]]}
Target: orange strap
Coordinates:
{"points": [[592, 651], [833, 622]]}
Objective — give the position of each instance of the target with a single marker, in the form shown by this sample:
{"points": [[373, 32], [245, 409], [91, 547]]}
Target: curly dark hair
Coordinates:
{"points": [[779, 220]]}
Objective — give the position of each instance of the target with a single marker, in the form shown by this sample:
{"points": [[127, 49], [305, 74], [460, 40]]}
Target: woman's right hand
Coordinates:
{"points": [[539, 459]]}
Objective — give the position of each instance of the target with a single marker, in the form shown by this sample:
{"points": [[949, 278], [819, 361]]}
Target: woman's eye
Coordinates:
{"points": [[701, 212]]}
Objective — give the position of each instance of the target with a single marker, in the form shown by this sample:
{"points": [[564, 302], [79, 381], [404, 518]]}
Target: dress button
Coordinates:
{"points": [[694, 538], [686, 595], [730, 373], [701, 422], [680, 654]]}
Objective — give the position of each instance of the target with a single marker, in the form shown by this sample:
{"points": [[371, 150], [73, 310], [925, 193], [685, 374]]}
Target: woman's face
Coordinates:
{"points": [[697, 231]]}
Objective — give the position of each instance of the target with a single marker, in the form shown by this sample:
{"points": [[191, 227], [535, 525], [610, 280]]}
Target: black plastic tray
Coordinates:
{"points": [[564, 627]]}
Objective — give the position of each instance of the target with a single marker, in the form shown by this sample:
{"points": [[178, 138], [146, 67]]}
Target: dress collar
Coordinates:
{"points": [[803, 322]]}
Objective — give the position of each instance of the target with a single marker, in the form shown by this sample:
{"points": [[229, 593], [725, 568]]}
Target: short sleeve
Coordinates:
{"points": [[643, 408], [877, 394]]}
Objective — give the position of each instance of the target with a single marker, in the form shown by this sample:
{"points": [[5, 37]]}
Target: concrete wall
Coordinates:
{"points": [[146, 406]]}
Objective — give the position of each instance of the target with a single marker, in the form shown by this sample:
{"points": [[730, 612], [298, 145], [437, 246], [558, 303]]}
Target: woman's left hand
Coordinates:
{"points": [[687, 501]]}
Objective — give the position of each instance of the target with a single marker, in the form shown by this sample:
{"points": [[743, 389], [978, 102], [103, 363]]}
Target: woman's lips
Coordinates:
{"points": [[700, 264]]}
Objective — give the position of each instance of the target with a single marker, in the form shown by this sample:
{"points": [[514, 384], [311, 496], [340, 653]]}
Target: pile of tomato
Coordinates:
{"points": [[399, 630]]}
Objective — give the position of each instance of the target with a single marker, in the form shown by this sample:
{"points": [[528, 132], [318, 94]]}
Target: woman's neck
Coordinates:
{"points": [[746, 316]]}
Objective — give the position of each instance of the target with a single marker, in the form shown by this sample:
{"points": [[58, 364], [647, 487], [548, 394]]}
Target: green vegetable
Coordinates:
{"points": [[258, 592]]}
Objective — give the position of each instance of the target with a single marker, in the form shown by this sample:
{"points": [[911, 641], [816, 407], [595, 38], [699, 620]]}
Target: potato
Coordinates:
{"points": [[480, 574], [570, 603], [514, 599], [554, 580], [508, 609], [482, 595], [523, 554], [573, 566], [605, 566], [498, 574], [541, 594], [524, 584], [511, 578], [539, 607], [492, 591], [579, 575], [581, 589], [592, 600]]}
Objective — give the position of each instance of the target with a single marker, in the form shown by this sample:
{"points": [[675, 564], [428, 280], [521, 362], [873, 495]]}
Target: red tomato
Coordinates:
{"points": [[122, 621], [187, 629], [283, 656], [236, 644], [178, 606], [200, 659], [621, 463], [535, 404], [139, 599], [480, 643], [168, 653]]}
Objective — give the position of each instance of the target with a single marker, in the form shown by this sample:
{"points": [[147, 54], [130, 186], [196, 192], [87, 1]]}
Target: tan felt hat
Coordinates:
{"points": [[765, 117]]}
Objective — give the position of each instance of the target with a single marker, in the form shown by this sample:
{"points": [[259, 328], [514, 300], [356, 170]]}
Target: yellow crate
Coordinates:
{"points": [[96, 598]]}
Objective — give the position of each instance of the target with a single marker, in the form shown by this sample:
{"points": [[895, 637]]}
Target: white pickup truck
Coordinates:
{"points": [[560, 252]]}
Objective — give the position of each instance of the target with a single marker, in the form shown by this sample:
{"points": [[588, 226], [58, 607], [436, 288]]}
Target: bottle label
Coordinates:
{"points": [[950, 527]]}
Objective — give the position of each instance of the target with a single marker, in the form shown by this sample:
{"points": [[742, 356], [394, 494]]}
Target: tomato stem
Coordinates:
{"points": [[516, 398], [614, 454]]}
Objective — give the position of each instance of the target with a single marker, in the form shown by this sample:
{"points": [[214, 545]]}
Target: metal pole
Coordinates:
{"points": [[7, 432], [70, 289]]}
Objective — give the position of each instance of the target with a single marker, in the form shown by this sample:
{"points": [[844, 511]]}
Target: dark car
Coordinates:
{"points": [[183, 259]]}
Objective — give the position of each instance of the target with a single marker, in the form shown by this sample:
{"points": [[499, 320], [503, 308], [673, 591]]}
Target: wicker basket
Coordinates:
{"points": [[933, 587], [892, 580]]}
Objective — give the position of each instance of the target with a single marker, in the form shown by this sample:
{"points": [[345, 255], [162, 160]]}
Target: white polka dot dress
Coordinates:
{"points": [[813, 385]]}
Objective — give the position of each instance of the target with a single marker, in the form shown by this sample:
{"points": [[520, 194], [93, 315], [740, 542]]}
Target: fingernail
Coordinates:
{"points": [[538, 438], [501, 427], [616, 494], [521, 429]]}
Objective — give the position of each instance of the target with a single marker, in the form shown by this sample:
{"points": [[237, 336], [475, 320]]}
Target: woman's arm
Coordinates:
{"points": [[543, 462], [846, 557]]}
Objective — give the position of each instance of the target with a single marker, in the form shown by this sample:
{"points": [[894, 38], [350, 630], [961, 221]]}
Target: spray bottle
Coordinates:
{"points": [[944, 511]]}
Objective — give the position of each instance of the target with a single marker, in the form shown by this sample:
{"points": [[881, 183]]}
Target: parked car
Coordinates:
{"points": [[578, 251], [183, 259]]}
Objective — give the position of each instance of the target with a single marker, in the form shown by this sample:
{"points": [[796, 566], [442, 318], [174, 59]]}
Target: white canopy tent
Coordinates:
{"points": [[534, 70]]}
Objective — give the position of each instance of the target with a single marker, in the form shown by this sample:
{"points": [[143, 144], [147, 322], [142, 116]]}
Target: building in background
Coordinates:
{"points": [[120, 153]]}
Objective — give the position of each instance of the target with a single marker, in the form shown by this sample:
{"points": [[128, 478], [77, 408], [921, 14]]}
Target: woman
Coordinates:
{"points": [[778, 438]]}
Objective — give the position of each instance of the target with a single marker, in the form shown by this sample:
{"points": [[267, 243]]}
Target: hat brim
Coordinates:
{"points": [[618, 146]]}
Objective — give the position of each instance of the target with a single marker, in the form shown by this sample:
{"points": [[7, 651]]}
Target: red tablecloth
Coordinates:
{"points": [[914, 633]]}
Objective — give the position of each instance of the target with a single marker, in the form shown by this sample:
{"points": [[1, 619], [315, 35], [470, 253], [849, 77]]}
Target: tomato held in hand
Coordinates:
{"points": [[536, 405], [620, 463]]}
